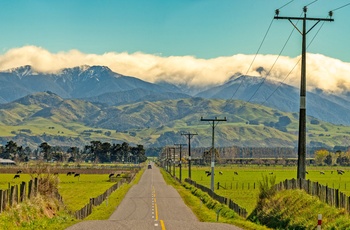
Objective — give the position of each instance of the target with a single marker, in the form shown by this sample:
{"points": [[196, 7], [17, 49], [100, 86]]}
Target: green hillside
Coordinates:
{"points": [[47, 117]]}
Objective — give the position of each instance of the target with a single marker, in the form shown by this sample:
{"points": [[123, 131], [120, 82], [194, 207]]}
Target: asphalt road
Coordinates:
{"points": [[151, 204]]}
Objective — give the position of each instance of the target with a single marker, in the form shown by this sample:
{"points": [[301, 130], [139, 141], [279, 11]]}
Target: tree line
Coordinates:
{"points": [[96, 152], [325, 157]]}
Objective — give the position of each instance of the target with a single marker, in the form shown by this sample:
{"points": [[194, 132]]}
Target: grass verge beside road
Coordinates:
{"points": [[105, 210], [205, 208]]}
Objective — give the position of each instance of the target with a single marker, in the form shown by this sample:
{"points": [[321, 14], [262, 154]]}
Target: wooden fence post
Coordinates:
{"points": [[36, 186], [337, 198], [5, 198], [30, 189], [1, 201], [22, 191]]}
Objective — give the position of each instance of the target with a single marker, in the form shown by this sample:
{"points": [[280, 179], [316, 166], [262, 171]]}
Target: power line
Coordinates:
{"points": [[311, 3], [286, 4], [273, 65], [293, 67], [256, 54], [341, 7]]}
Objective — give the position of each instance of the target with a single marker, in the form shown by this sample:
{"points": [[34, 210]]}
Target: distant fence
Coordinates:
{"points": [[18, 193], [87, 209], [330, 196], [223, 200]]}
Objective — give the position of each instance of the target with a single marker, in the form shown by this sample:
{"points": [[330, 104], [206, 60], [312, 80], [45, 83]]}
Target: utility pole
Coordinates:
{"points": [[180, 162], [189, 137], [214, 121], [173, 160], [167, 159], [301, 171]]}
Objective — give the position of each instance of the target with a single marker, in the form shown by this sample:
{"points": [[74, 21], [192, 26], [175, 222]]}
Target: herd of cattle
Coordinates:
{"points": [[339, 171], [17, 175]]}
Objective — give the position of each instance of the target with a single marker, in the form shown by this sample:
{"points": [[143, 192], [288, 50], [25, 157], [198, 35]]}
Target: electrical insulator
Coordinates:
{"points": [[305, 9]]}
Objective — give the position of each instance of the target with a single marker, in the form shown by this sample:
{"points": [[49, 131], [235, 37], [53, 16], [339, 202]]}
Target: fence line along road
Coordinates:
{"points": [[151, 204]]}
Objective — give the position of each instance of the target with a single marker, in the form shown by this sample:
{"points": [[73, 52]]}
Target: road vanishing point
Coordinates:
{"points": [[149, 205]]}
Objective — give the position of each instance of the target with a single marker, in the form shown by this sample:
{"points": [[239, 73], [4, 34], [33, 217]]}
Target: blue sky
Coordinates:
{"points": [[201, 28]]}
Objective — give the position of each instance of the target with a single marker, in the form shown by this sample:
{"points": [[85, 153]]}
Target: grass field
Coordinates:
{"points": [[6, 180], [76, 191], [243, 188]]}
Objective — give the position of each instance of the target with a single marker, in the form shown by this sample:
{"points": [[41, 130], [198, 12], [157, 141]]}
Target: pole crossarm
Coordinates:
{"points": [[302, 18], [213, 119]]}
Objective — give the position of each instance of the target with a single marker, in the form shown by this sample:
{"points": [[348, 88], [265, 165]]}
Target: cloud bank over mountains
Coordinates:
{"points": [[323, 72]]}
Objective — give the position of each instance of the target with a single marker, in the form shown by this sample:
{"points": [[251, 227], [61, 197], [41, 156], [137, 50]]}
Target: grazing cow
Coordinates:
{"points": [[220, 173], [19, 171], [341, 172], [206, 172], [271, 173], [69, 173], [118, 175], [236, 173], [16, 176], [110, 175], [322, 172], [76, 174], [307, 172]]}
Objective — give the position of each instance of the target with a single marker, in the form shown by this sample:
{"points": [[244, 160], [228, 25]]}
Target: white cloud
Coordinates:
{"points": [[322, 72]]}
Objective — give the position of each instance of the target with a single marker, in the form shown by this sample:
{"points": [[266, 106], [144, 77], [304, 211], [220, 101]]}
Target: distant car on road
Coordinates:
{"points": [[149, 166]]}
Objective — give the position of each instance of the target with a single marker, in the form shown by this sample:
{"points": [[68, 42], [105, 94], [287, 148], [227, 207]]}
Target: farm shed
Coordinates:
{"points": [[7, 162]]}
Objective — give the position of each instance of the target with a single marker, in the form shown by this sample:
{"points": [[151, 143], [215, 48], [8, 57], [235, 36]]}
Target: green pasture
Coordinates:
{"points": [[6, 180], [77, 191], [243, 188]]}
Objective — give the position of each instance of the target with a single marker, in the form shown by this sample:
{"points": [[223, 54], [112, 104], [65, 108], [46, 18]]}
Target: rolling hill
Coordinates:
{"points": [[47, 117]]}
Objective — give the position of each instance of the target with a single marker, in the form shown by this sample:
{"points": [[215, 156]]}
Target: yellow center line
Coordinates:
{"points": [[162, 224], [156, 209]]}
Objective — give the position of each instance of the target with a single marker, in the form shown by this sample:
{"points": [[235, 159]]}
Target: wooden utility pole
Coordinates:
{"points": [[173, 161], [301, 171], [189, 137], [180, 161], [214, 121]]}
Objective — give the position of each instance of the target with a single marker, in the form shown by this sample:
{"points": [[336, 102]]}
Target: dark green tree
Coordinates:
{"points": [[116, 153], [45, 149], [328, 160], [11, 149]]}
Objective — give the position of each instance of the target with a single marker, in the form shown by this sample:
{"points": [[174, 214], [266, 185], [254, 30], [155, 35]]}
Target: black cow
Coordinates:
{"points": [[16, 176]]}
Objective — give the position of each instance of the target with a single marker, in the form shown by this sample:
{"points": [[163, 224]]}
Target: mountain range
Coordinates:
{"points": [[94, 98]]}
